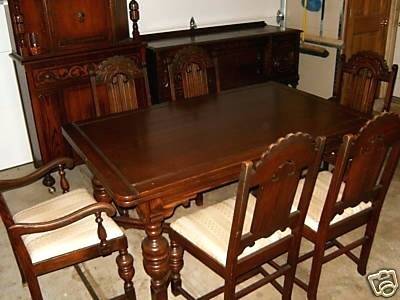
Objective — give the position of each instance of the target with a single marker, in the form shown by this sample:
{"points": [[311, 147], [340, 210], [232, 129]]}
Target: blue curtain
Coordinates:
{"points": [[312, 5]]}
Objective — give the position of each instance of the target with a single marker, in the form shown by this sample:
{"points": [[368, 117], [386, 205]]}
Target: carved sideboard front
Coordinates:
{"points": [[246, 54]]}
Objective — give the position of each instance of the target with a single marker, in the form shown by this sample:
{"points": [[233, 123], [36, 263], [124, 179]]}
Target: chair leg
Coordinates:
{"points": [[176, 265], [290, 276], [229, 289], [315, 274], [366, 247], [126, 272], [199, 199], [34, 288]]}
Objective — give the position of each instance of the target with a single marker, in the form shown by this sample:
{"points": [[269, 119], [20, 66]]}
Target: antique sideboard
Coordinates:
{"points": [[246, 54], [55, 45]]}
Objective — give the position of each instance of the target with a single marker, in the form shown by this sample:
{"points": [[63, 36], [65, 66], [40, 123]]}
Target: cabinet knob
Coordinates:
{"points": [[80, 16]]}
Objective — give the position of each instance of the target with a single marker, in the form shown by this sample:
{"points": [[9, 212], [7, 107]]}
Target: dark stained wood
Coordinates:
{"points": [[29, 271], [158, 158], [202, 30], [366, 162], [276, 176], [359, 81], [54, 45], [246, 53], [192, 72], [118, 84]]}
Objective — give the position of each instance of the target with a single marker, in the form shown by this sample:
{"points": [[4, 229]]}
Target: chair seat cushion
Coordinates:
{"points": [[78, 235], [318, 201], [209, 229]]}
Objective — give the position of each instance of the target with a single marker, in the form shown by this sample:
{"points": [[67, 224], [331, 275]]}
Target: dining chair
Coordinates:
{"points": [[119, 84], [237, 236], [192, 73], [63, 231], [359, 79], [352, 196]]}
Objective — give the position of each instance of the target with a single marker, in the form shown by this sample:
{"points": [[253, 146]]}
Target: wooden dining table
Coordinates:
{"points": [[156, 159]]}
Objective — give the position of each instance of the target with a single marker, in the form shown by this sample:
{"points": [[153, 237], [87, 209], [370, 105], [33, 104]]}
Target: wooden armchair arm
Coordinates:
{"points": [[10, 184], [96, 209]]}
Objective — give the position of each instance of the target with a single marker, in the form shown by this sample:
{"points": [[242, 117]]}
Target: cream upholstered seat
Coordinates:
{"points": [[318, 201], [209, 229], [78, 235]]}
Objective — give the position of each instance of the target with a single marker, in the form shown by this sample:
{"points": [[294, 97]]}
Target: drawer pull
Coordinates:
{"points": [[80, 16]]}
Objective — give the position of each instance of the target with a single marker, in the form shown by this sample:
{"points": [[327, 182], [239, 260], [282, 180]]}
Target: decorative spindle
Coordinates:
{"points": [[134, 16], [20, 29], [63, 180], [102, 234]]}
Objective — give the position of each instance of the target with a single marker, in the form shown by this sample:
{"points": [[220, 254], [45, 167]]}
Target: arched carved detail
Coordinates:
{"points": [[119, 75], [188, 73], [359, 80], [109, 69]]}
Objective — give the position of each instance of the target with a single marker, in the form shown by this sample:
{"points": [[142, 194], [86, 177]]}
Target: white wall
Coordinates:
{"points": [[162, 15], [14, 144], [316, 74]]}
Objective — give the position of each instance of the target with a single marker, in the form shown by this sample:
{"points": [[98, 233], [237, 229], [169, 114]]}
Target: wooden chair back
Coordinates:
{"points": [[360, 78], [119, 84], [276, 177], [366, 164], [193, 73]]}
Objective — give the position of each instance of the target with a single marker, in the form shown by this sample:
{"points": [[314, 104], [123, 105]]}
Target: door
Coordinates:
{"points": [[366, 26]]}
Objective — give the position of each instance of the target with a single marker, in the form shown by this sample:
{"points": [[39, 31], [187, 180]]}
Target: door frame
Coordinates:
{"points": [[392, 31]]}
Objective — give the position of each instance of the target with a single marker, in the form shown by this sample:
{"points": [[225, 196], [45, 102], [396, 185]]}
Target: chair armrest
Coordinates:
{"points": [[28, 228], [11, 184]]}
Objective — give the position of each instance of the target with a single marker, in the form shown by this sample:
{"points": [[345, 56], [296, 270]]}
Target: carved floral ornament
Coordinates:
{"points": [[188, 55], [116, 65], [370, 61], [62, 73]]}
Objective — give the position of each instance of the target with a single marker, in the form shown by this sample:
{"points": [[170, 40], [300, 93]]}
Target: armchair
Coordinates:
{"points": [[63, 231]]}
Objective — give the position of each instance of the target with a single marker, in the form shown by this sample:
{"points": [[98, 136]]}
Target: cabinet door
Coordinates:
{"points": [[240, 64], [78, 23], [285, 57]]}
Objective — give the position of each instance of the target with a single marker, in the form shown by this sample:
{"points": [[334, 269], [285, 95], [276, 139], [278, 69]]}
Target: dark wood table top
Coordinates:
{"points": [[186, 147]]}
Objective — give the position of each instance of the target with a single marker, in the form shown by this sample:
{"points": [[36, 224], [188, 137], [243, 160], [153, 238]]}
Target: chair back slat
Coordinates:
{"points": [[120, 76], [360, 80], [276, 177], [363, 161], [192, 73]]}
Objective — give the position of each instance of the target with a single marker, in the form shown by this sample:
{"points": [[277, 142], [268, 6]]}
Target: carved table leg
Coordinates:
{"points": [[155, 260], [126, 272], [99, 192]]}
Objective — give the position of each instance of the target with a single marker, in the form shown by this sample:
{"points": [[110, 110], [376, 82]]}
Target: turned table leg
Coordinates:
{"points": [[155, 260]]}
